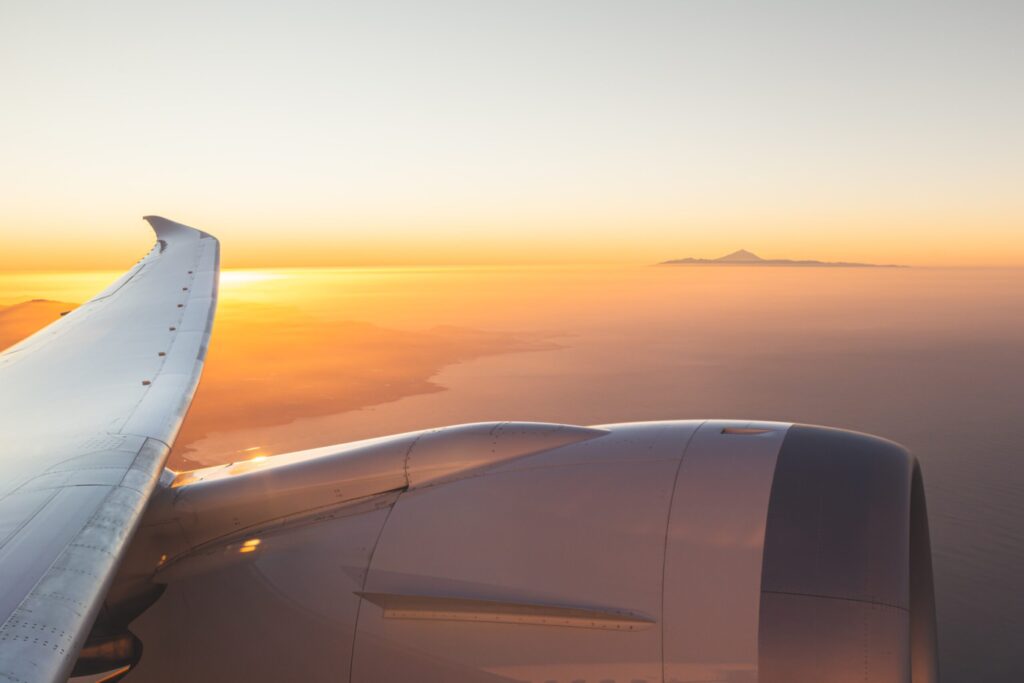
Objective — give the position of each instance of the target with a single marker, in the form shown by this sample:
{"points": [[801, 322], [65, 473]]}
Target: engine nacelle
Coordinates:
{"points": [[673, 551]]}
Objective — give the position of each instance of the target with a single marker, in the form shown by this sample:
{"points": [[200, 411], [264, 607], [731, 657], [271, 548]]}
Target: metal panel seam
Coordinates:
{"points": [[14, 532], [664, 549], [373, 551], [408, 455], [362, 588], [79, 635], [837, 597]]}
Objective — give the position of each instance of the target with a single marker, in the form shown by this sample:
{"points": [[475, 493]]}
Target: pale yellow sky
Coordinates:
{"points": [[333, 133]]}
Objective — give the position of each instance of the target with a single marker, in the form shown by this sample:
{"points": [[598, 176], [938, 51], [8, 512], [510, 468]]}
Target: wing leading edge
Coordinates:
{"points": [[89, 408]]}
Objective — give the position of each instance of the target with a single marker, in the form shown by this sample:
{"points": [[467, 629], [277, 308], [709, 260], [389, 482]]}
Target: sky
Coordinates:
{"points": [[316, 133]]}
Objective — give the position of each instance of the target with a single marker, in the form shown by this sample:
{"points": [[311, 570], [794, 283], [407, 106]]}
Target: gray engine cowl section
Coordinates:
{"points": [[674, 551]]}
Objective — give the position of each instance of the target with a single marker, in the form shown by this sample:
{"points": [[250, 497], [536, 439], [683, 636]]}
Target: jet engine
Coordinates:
{"points": [[671, 551]]}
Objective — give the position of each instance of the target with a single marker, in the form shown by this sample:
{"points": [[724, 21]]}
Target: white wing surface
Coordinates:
{"points": [[89, 408]]}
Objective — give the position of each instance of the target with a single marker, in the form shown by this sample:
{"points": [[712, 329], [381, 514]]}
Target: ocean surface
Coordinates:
{"points": [[931, 358]]}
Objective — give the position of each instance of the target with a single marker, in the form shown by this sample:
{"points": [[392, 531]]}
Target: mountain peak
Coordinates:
{"points": [[748, 258], [740, 256]]}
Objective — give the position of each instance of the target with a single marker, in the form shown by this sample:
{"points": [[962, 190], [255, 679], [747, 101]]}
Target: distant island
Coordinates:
{"points": [[746, 258]]}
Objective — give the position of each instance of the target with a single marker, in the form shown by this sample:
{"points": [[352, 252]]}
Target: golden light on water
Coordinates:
{"points": [[256, 454]]}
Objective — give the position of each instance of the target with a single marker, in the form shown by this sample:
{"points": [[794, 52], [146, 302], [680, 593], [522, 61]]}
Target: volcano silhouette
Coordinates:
{"points": [[742, 257]]}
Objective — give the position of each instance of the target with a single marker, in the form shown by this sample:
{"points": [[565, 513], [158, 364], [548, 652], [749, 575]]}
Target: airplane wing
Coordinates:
{"points": [[89, 408]]}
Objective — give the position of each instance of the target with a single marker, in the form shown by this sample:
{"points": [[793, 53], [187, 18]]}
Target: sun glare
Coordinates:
{"points": [[244, 277]]}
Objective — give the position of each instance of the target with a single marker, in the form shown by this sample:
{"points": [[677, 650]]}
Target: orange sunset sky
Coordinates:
{"points": [[325, 133]]}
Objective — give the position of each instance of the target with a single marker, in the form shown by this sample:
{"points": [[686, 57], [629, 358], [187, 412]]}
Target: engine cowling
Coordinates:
{"points": [[674, 551]]}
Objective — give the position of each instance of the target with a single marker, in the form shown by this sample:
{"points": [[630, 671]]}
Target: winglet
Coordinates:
{"points": [[165, 228]]}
